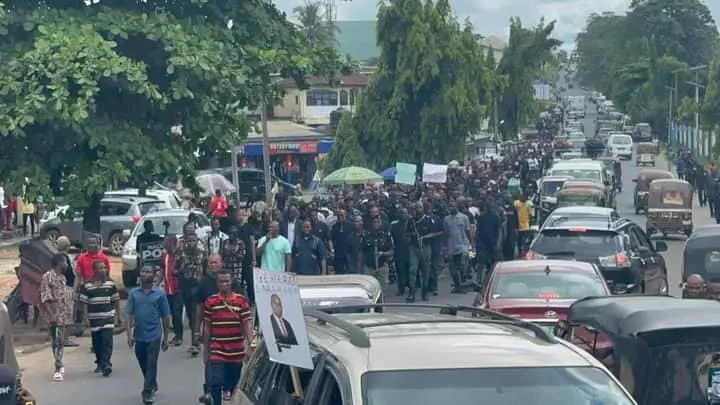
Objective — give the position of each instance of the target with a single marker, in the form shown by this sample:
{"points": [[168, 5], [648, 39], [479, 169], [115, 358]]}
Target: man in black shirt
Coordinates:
{"points": [[149, 247], [338, 235], [402, 247], [377, 250], [418, 233]]}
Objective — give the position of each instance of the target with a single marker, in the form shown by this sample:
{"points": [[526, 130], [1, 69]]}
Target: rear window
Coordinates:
{"points": [[622, 140], [578, 173], [553, 285], [552, 187], [569, 243], [150, 206]]}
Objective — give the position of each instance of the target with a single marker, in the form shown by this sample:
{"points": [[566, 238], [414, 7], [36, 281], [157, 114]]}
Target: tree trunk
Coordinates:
{"points": [[91, 218]]}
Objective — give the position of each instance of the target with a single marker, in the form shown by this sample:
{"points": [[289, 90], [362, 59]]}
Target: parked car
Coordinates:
{"points": [[116, 215], [173, 218]]}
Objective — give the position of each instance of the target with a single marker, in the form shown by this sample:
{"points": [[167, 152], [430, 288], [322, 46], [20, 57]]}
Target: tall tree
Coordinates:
{"points": [[528, 49], [430, 90], [89, 93], [313, 23]]}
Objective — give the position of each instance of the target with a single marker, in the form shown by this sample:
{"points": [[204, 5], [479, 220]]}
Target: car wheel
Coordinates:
{"points": [[129, 278], [115, 244], [52, 235]]}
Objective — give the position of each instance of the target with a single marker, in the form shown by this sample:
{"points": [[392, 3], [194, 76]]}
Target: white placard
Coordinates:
{"points": [[282, 323], [434, 173]]}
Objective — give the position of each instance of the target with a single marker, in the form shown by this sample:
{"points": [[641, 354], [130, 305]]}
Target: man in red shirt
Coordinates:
{"points": [[84, 273], [219, 205], [228, 330]]}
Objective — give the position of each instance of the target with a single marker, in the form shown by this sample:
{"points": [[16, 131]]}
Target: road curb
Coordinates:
{"points": [[25, 350]]}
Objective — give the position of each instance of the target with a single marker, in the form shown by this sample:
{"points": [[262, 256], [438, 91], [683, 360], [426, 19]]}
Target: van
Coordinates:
{"points": [[620, 145]]}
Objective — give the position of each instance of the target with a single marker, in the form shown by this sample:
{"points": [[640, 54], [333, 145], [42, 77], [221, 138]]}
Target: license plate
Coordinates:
{"points": [[686, 222], [666, 215]]}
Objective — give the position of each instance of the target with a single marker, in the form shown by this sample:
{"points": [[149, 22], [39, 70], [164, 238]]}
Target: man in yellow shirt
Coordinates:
{"points": [[524, 212]]}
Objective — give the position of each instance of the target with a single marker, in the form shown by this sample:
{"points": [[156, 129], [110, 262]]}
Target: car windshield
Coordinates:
{"points": [[589, 174], [493, 386], [150, 206], [175, 224], [552, 187], [622, 140], [553, 284], [577, 242]]}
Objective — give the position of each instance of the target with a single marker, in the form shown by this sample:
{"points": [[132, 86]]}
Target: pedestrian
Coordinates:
{"points": [[84, 273], [148, 325], [215, 239], [227, 334], [171, 285], [3, 205], [418, 232], [353, 246], [400, 258], [190, 265], [435, 242], [339, 233], [63, 246], [102, 305], [219, 205], [711, 189], [489, 230], [54, 304], [523, 206], [456, 235], [510, 236], [274, 249], [28, 216], [309, 254], [377, 250], [227, 326], [700, 183]]}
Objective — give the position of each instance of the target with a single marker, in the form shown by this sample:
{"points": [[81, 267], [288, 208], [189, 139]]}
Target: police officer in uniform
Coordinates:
{"points": [[149, 247], [377, 250]]}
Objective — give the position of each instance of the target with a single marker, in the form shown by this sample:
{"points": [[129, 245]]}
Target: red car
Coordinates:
{"points": [[542, 291]]}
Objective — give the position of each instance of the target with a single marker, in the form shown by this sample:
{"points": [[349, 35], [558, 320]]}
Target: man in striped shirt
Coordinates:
{"points": [[227, 324], [101, 303]]}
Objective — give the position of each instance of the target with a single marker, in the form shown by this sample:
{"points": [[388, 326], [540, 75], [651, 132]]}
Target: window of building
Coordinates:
{"points": [[322, 98], [343, 97], [353, 95]]}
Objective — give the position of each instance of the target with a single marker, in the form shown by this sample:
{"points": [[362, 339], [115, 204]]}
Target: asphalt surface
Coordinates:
{"points": [[180, 377]]}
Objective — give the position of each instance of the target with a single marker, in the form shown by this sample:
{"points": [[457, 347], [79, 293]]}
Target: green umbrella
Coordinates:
{"points": [[352, 175]]}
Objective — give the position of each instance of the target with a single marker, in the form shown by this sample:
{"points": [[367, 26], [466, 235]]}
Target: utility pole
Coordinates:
{"points": [[495, 118], [670, 116], [266, 153]]}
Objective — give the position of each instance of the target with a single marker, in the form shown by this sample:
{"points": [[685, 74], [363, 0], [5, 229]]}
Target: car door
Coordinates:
{"points": [[114, 217], [651, 262], [330, 384], [655, 272]]}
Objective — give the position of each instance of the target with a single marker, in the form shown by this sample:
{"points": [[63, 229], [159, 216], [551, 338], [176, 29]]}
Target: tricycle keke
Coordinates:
{"points": [[323, 292], [548, 188], [701, 255], [669, 207], [574, 197], [665, 350], [642, 185], [645, 154]]}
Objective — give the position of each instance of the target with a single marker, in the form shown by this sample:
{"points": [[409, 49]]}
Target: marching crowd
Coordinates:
{"points": [[402, 235]]}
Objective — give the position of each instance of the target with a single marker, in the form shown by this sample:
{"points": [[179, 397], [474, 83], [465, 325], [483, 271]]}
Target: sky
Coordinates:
{"points": [[490, 17]]}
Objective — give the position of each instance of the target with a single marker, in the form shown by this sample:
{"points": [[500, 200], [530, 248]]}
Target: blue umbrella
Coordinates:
{"points": [[389, 173]]}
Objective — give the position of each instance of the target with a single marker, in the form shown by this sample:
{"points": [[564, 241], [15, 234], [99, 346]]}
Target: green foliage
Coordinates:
{"points": [[711, 103], [631, 58], [686, 111], [89, 94], [527, 51], [430, 90]]}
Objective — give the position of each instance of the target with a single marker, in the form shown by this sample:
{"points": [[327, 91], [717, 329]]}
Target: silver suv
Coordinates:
{"points": [[407, 357]]}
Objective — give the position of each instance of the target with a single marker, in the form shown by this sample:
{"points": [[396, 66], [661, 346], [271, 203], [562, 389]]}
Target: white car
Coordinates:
{"points": [[173, 218], [621, 145]]}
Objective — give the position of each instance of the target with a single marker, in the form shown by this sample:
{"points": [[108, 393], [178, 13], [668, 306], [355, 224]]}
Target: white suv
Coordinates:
{"points": [[416, 358]]}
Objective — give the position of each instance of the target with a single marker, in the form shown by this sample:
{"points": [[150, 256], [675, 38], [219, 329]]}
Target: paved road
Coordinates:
{"points": [[180, 376]]}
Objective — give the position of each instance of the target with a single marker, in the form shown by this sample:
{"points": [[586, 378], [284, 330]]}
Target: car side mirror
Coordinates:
{"points": [[126, 234], [661, 246], [634, 180]]}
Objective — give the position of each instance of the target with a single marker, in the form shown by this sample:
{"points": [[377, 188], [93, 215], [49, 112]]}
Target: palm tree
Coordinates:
{"points": [[314, 25]]}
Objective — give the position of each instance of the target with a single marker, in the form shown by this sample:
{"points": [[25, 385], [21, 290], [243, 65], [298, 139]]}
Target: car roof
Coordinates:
{"points": [[587, 223], [130, 199], [135, 192], [172, 212], [524, 266], [395, 339], [633, 315], [583, 210], [577, 164]]}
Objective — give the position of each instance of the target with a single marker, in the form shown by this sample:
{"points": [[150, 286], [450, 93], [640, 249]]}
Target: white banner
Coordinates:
{"points": [[434, 173]]}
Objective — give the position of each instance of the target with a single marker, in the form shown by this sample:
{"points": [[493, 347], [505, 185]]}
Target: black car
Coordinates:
{"points": [[627, 258]]}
